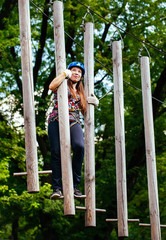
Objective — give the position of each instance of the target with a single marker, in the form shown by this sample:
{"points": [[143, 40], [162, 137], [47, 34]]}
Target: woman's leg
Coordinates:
{"points": [[77, 142], [53, 133]]}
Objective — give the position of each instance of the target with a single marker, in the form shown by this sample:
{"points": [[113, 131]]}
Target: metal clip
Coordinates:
{"points": [[83, 19], [51, 4], [141, 49], [122, 43]]}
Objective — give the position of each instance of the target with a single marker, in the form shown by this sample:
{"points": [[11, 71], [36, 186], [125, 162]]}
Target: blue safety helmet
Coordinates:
{"points": [[77, 64]]}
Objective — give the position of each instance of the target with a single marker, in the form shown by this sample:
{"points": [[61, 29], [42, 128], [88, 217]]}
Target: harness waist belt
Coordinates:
{"points": [[70, 110]]}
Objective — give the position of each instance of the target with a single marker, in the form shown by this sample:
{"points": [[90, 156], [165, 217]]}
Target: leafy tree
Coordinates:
{"points": [[33, 216]]}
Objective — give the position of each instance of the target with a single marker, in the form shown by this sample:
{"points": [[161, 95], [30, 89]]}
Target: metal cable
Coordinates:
{"points": [[148, 44], [95, 58]]}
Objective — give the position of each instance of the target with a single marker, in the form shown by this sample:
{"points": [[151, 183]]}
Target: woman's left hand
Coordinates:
{"points": [[93, 100]]}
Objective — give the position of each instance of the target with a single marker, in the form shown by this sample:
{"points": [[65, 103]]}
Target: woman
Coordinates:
{"points": [[76, 103]]}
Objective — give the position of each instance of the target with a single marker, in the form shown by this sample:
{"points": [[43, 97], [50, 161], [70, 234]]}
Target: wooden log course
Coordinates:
{"points": [[150, 150], [116, 220], [121, 184], [28, 97], [149, 225], [82, 196], [63, 112], [84, 208], [62, 197], [39, 172], [90, 202]]}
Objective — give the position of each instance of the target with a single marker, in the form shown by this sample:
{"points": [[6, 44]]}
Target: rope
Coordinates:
{"points": [[111, 90]]}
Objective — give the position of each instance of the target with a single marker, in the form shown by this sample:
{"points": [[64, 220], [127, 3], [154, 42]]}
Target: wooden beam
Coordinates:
{"points": [[116, 220], [100, 210], [90, 202], [150, 149], [80, 208], [28, 97], [82, 196], [149, 225], [121, 184], [63, 112], [39, 172], [84, 208]]}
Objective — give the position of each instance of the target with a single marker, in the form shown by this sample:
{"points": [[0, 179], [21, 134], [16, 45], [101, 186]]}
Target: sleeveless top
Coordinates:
{"points": [[73, 105]]}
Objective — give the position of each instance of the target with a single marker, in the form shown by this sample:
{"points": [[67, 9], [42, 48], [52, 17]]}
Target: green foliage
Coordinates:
{"points": [[34, 216]]}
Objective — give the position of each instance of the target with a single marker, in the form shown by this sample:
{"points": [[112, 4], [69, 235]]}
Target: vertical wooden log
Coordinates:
{"points": [[28, 97], [120, 141], [150, 150], [90, 202], [67, 176]]}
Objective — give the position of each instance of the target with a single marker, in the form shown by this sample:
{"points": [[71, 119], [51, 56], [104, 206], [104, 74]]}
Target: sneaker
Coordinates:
{"points": [[77, 192], [56, 194]]}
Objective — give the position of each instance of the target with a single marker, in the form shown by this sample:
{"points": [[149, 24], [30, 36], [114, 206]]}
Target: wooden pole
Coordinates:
{"points": [[116, 220], [63, 112], [150, 150], [149, 225], [84, 208], [90, 201], [39, 172], [28, 97], [120, 141]]}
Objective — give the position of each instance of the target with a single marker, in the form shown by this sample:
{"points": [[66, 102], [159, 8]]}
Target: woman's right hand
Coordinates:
{"points": [[68, 73]]}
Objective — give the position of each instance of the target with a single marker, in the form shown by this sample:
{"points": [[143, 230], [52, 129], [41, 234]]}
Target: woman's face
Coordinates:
{"points": [[76, 74]]}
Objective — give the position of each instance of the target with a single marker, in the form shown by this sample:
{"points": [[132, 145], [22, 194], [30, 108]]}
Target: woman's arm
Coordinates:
{"points": [[58, 80]]}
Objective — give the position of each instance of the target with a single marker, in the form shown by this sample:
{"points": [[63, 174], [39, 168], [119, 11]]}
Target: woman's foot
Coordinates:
{"points": [[77, 192], [57, 193]]}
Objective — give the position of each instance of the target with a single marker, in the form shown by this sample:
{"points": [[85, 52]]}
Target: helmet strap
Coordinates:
{"points": [[74, 81]]}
